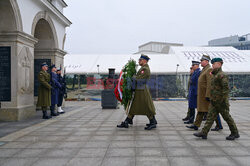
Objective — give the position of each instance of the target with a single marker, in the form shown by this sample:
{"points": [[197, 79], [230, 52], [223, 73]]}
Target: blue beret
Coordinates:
{"points": [[53, 66], [144, 57], [44, 64]]}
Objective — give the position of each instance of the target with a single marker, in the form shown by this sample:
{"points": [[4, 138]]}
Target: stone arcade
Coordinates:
{"points": [[31, 32]]}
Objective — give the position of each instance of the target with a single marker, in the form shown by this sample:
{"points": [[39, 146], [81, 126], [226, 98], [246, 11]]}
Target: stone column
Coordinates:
{"points": [[21, 105]]}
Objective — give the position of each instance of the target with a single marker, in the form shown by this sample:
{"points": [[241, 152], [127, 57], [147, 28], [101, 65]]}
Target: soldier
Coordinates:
{"points": [[219, 102], [192, 95], [62, 91], [44, 90], [203, 98], [188, 113], [142, 103], [55, 90]]}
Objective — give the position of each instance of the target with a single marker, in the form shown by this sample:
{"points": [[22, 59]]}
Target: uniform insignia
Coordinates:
{"points": [[142, 71]]}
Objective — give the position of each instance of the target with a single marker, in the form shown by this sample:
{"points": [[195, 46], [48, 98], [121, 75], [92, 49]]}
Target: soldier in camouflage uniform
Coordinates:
{"points": [[219, 102]]}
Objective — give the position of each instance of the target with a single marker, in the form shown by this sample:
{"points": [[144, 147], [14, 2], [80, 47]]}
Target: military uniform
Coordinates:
{"points": [[192, 96], [142, 103], [54, 92], [44, 91], [203, 98], [62, 91], [219, 103]]}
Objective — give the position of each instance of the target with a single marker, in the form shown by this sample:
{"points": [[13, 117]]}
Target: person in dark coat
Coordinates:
{"points": [[62, 91], [192, 95], [188, 113], [55, 90], [44, 90]]}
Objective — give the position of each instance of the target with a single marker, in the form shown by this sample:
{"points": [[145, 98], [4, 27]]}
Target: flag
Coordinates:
{"points": [[118, 90]]}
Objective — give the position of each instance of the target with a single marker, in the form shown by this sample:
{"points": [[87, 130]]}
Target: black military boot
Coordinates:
{"points": [[193, 127], [186, 118], [130, 121], [217, 128], [200, 134], [155, 121], [45, 116], [151, 125], [52, 111], [125, 123], [233, 136]]}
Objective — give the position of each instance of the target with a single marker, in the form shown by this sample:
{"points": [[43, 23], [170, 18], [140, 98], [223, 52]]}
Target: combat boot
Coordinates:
{"points": [[125, 123], [130, 121], [233, 136], [45, 116], [193, 127], [53, 113], [217, 128], [200, 134], [155, 121], [151, 125], [186, 118]]}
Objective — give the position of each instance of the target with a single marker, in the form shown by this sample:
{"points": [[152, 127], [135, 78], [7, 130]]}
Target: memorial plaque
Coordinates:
{"points": [[5, 73], [37, 68]]}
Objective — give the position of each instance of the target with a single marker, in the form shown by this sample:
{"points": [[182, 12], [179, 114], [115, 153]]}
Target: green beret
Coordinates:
{"points": [[216, 60]]}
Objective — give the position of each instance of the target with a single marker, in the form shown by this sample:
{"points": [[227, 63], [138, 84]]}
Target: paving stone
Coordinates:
{"points": [[91, 152], [19, 161], [121, 161], [149, 161], [159, 152], [51, 162], [179, 152], [243, 161], [184, 161], [218, 161], [121, 152]]}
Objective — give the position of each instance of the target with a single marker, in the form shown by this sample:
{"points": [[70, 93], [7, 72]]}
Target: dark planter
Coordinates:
{"points": [[109, 100]]}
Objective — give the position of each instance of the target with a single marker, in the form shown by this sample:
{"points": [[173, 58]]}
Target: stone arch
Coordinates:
{"points": [[10, 16], [43, 15]]}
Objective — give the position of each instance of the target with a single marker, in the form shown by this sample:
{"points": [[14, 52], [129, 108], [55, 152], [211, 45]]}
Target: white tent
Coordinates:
{"points": [[235, 61]]}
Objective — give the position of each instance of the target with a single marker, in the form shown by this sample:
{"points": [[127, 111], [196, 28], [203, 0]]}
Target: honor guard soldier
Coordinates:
{"points": [[44, 90], [62, 91], [142, 103], [193, 88], [219, 102], [55, 90]]}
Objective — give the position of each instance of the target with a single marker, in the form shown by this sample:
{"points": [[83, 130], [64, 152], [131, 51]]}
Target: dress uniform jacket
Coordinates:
{"points": [[55, 88], [142, 103], [204, 86], [44, 89], [193, 88]]}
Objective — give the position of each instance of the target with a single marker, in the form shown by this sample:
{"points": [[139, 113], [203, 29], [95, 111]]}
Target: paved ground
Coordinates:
{"points": [[87, 135]]}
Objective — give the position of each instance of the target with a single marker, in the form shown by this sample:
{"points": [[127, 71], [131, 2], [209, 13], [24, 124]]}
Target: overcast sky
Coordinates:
{"points": [[120, 26]]}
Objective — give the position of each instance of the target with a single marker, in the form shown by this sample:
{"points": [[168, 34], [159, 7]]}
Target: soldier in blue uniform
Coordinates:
{"points": [[192, 95], [55, 90], [62, 91]]}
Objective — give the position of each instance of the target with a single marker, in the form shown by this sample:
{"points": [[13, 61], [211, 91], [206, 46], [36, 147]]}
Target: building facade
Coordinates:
{"points": [[31, 32], [238, 42], [156, 47]]}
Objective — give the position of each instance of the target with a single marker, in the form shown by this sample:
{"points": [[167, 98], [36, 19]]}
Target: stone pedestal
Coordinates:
{"points": [[21, 105]]}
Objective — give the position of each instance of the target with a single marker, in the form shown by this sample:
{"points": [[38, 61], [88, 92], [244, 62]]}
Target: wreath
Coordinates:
{"points": [[129, 71]]}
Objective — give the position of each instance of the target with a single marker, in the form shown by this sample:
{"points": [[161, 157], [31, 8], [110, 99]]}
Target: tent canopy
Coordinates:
{"points": [[235, 61]]}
